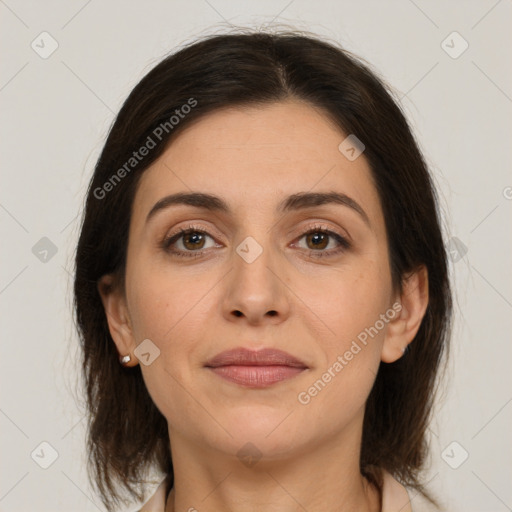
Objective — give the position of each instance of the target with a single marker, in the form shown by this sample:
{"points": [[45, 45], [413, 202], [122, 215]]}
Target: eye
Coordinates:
{"points": [[317, 239], [190, 242]]}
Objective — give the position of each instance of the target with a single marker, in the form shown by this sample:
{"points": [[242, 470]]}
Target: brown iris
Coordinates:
{"points": [[316, 236], [195, 238]]}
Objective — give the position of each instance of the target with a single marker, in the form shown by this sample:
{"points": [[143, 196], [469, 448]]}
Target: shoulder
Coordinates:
{"points": [[420, 504], [157, 501], [396, 497]]}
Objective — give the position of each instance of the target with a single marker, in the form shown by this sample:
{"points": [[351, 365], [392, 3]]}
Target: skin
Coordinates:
{"points": [[253, 158]]}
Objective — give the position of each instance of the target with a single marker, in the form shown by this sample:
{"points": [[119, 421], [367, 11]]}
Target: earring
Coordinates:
{"points": [[124, 360]]}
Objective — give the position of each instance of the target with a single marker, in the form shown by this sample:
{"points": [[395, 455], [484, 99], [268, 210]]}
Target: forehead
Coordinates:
{"points": [[255, 156]]}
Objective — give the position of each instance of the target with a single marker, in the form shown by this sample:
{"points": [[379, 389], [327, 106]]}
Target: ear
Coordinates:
{"points": [[402, 329], [118, 318]]}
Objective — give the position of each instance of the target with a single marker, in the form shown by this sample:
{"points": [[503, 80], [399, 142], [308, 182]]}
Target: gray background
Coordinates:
{"points": [[55, 115]]}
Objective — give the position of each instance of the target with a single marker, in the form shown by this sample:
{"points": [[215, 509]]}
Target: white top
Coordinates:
{"points": [[395, 498]]}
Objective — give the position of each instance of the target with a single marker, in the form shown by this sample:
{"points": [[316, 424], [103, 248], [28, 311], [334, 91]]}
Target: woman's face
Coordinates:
{"points": [[254, 279]]}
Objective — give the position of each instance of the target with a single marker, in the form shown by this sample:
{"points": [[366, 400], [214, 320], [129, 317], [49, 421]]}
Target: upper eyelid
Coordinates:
{"points": [[315, 225]]}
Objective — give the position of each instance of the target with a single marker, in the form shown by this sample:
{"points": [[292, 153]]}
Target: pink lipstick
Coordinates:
{"points": [[255, 369]]}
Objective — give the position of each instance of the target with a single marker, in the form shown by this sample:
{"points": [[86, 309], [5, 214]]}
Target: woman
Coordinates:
{"points": [[261, 286]]}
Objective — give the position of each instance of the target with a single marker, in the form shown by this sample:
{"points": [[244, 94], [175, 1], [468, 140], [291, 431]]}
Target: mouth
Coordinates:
{"points": [[255, 369]]}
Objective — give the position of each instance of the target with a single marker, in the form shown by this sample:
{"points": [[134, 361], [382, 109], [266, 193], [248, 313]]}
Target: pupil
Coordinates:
{"points": [[316, 237], [195, 236]]}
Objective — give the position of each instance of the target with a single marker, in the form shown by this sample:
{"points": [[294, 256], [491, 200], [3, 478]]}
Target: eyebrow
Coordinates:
{"points": [[293, 202]]}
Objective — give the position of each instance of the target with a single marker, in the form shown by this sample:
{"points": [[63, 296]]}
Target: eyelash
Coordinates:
{"points": [[168, 241]]}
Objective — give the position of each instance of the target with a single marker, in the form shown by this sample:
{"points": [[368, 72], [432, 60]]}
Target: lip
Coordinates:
{"points": [[264, 357], [255, 369]]}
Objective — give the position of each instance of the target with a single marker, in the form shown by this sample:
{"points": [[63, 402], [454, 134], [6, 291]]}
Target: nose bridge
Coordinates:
{"points": [[255, 250], [256, 289], [254, 257]]}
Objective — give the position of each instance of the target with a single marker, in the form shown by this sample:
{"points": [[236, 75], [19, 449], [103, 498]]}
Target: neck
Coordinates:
{"points": [[322, 477]]}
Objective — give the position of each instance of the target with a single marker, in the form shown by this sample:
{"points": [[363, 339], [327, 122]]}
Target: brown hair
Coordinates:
{"points": [[127, 434]]}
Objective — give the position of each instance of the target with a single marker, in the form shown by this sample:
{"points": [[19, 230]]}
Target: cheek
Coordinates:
{"points": [[351, 305], [161, 303], [352, 309], [347, 301], [170, 308], [170, 311]]}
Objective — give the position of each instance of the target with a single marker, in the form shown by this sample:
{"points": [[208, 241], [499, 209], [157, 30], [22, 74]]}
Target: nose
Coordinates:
{"points": [[257, 291]]}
